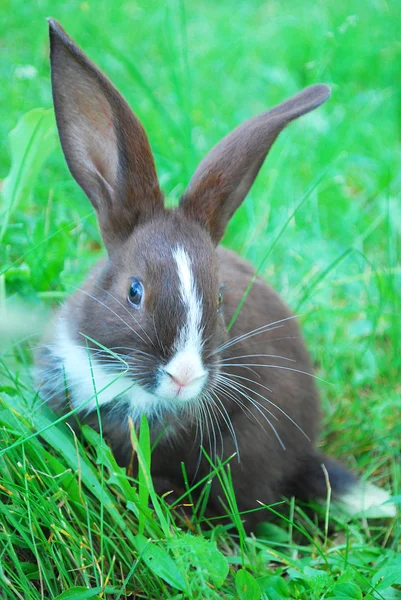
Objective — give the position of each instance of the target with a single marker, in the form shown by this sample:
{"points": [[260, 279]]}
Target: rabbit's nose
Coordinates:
{"points": [[184, 376], [184, 379]]}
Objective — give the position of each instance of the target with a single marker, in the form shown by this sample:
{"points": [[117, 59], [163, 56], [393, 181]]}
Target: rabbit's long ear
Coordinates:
{"points": [[225, 175], [105, 145]]}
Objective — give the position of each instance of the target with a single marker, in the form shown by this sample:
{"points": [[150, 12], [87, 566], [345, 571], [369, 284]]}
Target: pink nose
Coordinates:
{"points": [[181, 382]]}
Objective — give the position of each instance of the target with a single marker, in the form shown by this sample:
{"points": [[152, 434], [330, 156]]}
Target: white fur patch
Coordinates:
{"points": [[367, 500], [90, 384], [191, 336], [186, 364]]}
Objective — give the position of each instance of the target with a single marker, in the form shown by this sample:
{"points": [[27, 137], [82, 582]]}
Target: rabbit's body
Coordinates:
{"points": [[267, 413], [147, 332]]}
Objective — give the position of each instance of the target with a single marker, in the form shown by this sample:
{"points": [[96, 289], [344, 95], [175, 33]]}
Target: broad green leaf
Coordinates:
{"points": [[30, 570], [346, 591], [160, 562], [247, 587], [272, 532], [200, 559], [31, 141], [318, 579], [80, 593], [387, 576], [274, 587]]}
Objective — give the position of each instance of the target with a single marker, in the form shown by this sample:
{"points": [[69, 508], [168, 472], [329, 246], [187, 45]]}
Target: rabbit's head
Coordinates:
{"points": [[157, 304]]}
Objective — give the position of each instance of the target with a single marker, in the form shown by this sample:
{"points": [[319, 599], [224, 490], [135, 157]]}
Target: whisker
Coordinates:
{"points": [[157, 335], [257, 356], [69, 386], [276, 406], [97, 351], [207, 411], [244, 337], [274, 367], [200, 417], [223, 388], [233, 386], [228, 422], [244, 408], [131, 350], [249, 334], [222, 364], [254, 403], [214, 405], [126, 310], [277, 339], [111, 310], [246, 365], [247, 379], [106, 364]]}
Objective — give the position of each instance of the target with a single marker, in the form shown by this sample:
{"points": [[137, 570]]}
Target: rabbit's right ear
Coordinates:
{"points": [[105, 145], [225, 175]]}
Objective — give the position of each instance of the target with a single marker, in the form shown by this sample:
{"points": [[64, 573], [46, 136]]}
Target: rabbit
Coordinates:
{"points": [[147, 332]]}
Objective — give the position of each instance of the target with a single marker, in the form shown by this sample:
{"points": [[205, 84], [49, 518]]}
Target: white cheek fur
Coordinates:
{"points": [[91, 385]]}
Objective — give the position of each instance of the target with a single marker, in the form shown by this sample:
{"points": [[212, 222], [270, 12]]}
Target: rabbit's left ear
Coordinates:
{"points": [[225, 175], [105, 145]]}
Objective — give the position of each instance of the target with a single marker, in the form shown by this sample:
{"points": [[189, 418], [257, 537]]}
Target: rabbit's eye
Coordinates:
{"points": [[135, 293]]}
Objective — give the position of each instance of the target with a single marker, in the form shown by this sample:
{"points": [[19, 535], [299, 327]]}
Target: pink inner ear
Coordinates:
{"points": [[91, 104], [100, 117], [98, 146]]}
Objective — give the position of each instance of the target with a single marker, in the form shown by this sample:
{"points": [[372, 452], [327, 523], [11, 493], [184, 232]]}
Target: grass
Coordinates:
{"points": [[70, 522]]}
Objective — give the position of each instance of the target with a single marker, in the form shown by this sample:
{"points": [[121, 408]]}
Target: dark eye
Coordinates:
{"points": [[135, 293]]}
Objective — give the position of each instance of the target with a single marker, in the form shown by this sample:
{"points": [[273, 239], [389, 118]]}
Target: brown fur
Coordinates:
{"points": [[275, 459]]}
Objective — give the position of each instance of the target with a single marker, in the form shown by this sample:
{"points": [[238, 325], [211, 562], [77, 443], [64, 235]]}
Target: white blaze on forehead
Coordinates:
{"points": [[190, 338], [186, 365]]}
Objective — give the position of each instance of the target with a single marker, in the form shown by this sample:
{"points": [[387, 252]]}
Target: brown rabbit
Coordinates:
{"points": [[147, 331]]}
